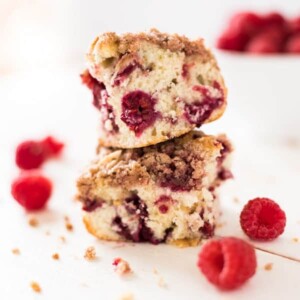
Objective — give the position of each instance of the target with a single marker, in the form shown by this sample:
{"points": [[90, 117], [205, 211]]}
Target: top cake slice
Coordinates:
{"points": [[151, 87]]}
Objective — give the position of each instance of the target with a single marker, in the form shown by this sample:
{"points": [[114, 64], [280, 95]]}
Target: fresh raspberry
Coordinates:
{"points": [[262, 219], [274, 19], [248, 23], [242, 26], [264, 43], [231, 40], [294, 25], [293, 44], [32, 154], [31, 190], [228, 262], [52, 146]]}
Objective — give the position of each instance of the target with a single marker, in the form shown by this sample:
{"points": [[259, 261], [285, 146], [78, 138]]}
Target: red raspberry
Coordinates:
{"points": [[242, 26], [264, 43], [293, 44], [231, 40], [246, 22], [31, 190], [274, 19], [294, 25], [32, 154], [262, 219], [52, 146], [227, 263]]}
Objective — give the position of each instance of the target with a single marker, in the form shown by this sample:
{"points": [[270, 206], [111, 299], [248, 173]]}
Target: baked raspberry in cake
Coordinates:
{"points": [[151, 87], [166, 193]]}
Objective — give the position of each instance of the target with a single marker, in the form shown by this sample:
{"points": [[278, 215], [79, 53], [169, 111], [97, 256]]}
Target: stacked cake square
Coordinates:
{"points": [[155, 177]]}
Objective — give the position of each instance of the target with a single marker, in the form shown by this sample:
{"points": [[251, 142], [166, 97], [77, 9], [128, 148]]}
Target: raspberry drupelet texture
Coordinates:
{"points": [[293, 44], [227, 263], [32, 190], [32, 154], [262, 219], [52, 146], [261, 33]]}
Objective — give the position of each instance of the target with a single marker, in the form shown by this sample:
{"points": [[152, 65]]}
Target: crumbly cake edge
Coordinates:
{"points": [[129, 43]]}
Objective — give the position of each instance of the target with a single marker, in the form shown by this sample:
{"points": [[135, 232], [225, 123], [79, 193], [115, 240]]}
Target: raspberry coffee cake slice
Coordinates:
{"points": [[151, 87], [159, 194]]}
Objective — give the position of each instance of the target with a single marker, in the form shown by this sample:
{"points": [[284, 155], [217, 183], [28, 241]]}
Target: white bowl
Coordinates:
{"points": [[264, 91]]}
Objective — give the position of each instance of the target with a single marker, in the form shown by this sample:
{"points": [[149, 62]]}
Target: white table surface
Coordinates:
{"points": [[53, 102]]}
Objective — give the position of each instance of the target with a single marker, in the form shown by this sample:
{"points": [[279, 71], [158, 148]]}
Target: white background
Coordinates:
{"points": [[48, 32], [41, 55]]}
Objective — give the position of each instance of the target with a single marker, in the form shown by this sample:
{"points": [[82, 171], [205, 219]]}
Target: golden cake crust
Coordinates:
{"points": [[110, 44], [180, 243]]}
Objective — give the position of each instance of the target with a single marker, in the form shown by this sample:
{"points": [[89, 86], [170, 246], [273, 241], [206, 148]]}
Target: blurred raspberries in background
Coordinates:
{"points": [[261, 33]]}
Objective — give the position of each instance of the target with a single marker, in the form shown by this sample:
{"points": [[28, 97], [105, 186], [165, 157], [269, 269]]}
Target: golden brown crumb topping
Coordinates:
{"points": [[111, 45], [179, 164]]}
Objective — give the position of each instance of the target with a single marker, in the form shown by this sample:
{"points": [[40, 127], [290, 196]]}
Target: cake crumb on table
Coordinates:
{"points": [[220, 225], [55, 256], [127, 296], [84, 284], [122, 267], [160, 280], [35, 287], [268, 267], [295, 240], [62, 239], [236, 200], [90, 253], [68, 224], [16, 251], [33, 222]]}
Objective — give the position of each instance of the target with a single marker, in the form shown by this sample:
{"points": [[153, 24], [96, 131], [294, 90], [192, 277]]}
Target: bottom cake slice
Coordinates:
{"points": [[166, 193]]}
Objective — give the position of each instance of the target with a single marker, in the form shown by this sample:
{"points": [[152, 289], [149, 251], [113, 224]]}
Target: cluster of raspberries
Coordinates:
{"points": [[31, 189], [229, 262], [261, 33]]}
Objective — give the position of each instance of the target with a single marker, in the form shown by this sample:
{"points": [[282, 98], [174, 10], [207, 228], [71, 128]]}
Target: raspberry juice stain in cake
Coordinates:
{"points": [[199, 111], [100, 101], [138, 111], [138, 209]]}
